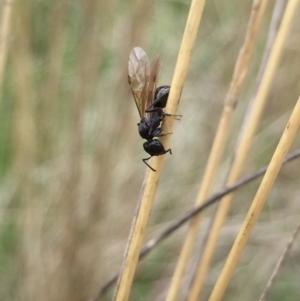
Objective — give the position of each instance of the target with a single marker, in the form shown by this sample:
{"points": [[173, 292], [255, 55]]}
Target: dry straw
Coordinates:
{"points": [[258, 203], [241, 69], [25, 146], [199, 278], [140, 223], [181, 221], [249, 131], [4, 36]]}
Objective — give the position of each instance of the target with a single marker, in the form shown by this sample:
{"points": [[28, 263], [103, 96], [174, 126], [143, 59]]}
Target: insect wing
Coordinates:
{"points": [[152, 82], [138, 77]]}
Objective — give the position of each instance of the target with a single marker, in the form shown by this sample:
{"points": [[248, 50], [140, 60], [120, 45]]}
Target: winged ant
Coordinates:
{"points": [[150, 101]]}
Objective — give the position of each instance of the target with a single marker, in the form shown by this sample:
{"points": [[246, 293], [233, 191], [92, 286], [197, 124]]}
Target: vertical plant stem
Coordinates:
{"points": [[4, 37], [241, 69], [242, 149], [258, 203], [175, 225], [208, 251], [184, 56], [144, 208], [25, 149]]}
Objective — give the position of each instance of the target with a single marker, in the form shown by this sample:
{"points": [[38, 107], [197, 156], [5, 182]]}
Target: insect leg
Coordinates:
{"points": [[144, 160], [167, 114], [162, 113], [168, 151], [158, 133]]}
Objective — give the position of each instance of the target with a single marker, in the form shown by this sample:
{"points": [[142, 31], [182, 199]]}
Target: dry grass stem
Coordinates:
{"points": [[274, 26], [246, 53], [199, 278], [181, 68], [4, 36], [241, 69], [154, 242], [273, 30], [25, 149], [249, 130], [25, 143], [258, 203], [143, 212], [70, 166], [279, 264]]}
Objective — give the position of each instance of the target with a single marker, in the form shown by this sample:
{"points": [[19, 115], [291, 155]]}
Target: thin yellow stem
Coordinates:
{"points": [[258, 203], [184, 56], [211, 167], [241, 68], [4, 36], [153, 243], [140, 223], [245, 140]]}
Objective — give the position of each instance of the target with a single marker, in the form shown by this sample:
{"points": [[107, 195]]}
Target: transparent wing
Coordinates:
{"points": [[151, 85], [138, 77]]}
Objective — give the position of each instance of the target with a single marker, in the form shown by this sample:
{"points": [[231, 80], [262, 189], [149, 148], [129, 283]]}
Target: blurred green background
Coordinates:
{"points": [[71, 157]]}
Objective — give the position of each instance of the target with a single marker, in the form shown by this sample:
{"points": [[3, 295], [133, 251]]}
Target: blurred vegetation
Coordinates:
{"points": [[71, 158]]}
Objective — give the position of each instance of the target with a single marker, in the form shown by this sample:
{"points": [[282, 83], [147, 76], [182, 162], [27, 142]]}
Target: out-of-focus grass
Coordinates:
{"points": [[66, 236]]}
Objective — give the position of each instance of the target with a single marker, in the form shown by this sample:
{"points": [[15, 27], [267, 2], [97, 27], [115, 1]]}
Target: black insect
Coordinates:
{"points": [[160, 98], [149, 130], [150, 101]]}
